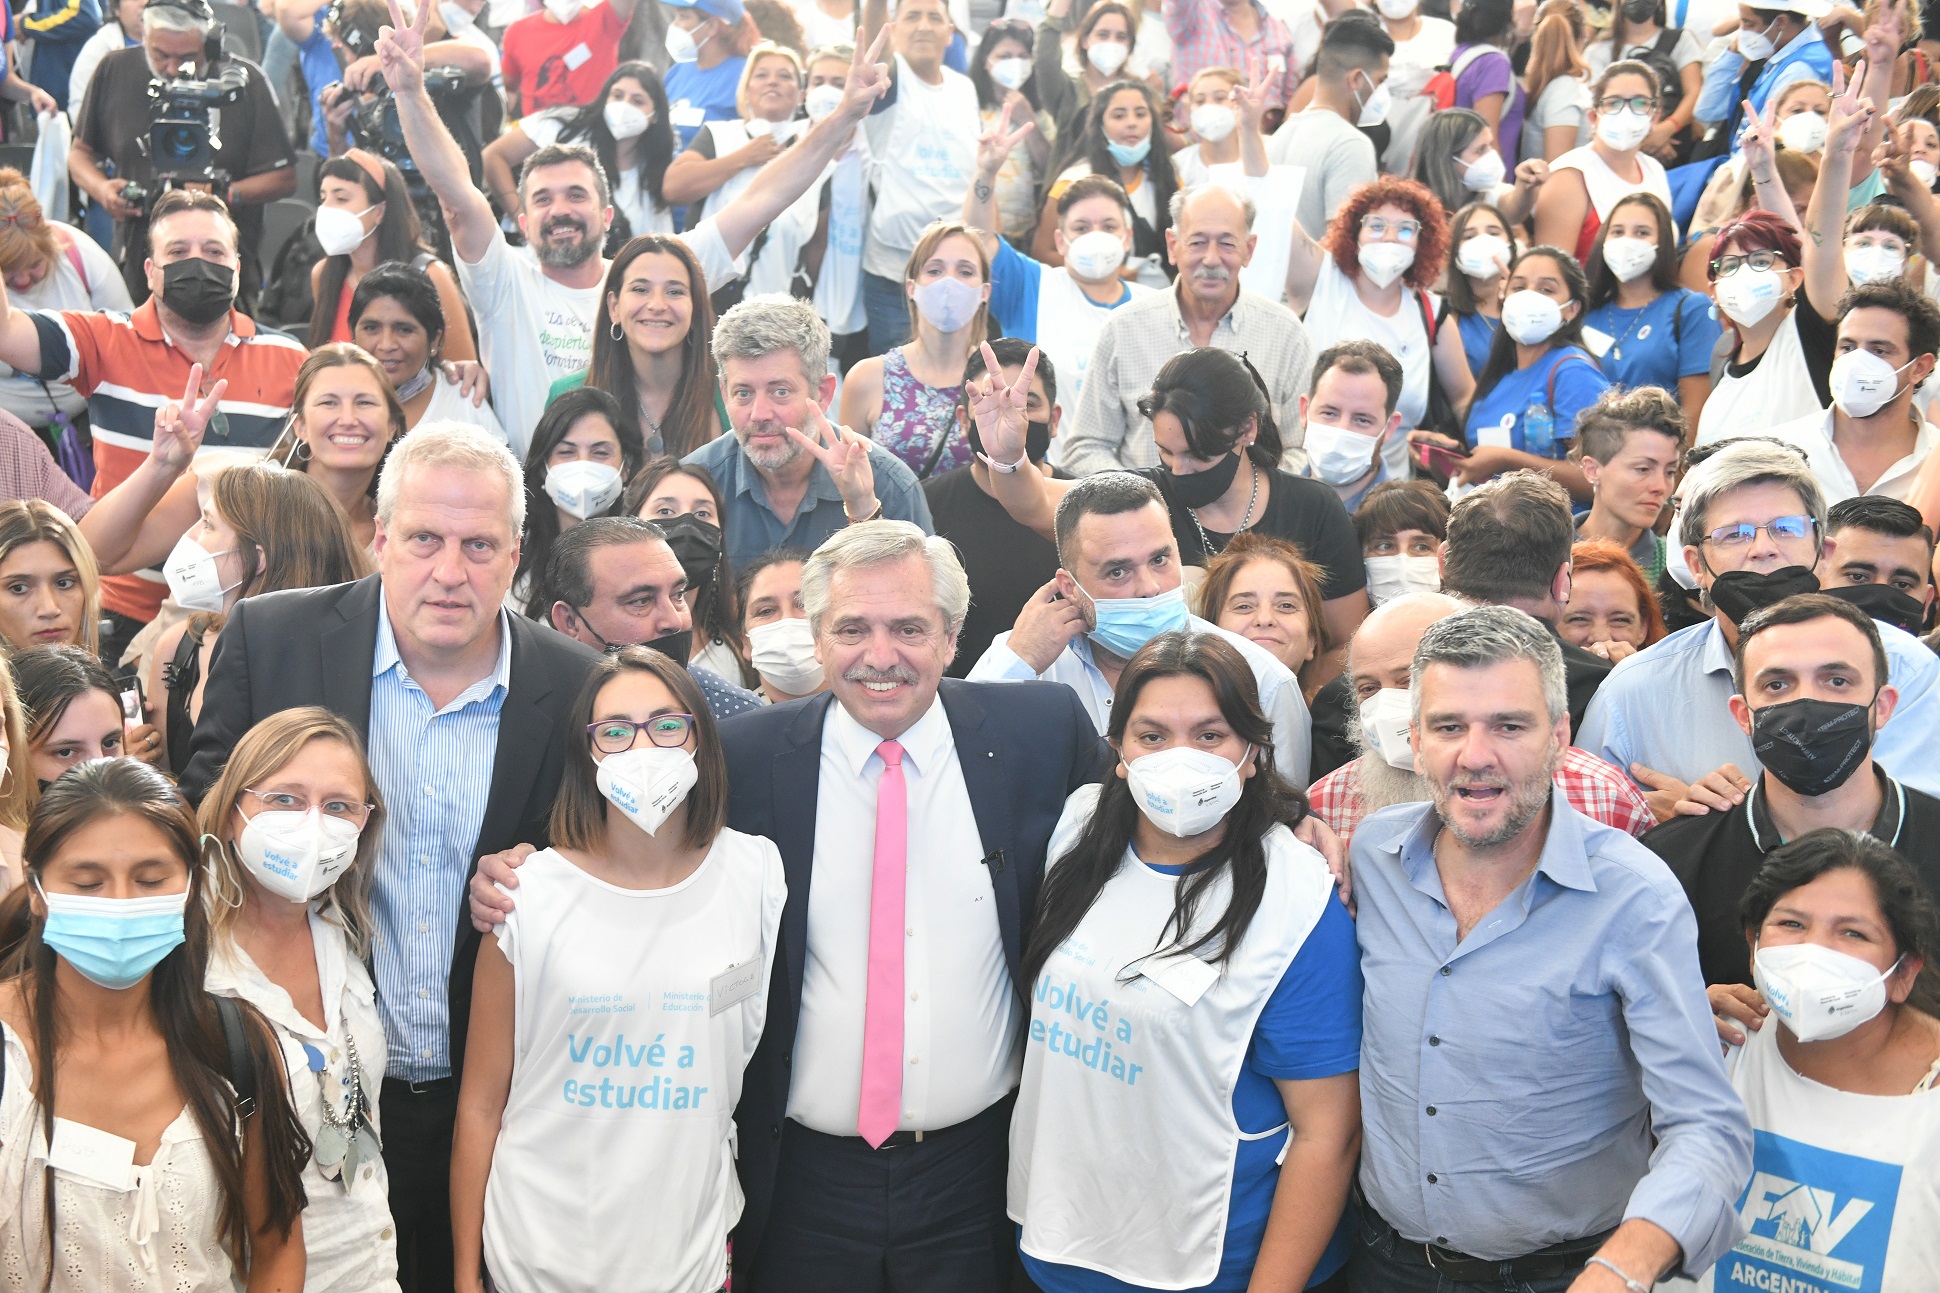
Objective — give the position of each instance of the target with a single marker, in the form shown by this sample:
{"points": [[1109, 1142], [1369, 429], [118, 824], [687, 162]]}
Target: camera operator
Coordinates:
{"points": [[249, 162], [336, 42]]}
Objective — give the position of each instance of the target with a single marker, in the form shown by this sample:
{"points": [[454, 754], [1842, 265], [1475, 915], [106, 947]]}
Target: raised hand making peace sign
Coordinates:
{"points": [[179, 427], [1000, 410], [846, 456], [400, 48]]}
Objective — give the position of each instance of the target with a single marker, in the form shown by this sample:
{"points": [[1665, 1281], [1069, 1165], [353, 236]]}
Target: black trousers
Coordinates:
{"points": [[925, 1218], [417, 1154]]}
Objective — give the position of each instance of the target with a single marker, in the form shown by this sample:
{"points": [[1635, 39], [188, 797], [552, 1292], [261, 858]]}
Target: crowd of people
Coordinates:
{"points": [[622, 624]]}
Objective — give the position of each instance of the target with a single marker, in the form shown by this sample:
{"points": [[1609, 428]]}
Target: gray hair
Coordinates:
{"points": [[175, 18], [770, 321], [1105, 493], [451, 444], [1181, 196], [1489, 635], [871, 543], [1755, 462], [564, 154]]}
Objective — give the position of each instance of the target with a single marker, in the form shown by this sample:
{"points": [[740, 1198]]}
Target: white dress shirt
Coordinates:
{"points": [[1813, 436], [1280, 698], [962, 1040]]}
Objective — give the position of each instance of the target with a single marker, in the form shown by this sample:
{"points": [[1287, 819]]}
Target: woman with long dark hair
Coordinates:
{"points": [[685, 502], [626, 124], [195, 1179], [650, 348], [364, 219], [1105, 36], [1002, 73], [1124, 141], [581, 458], [1219, 1031], [1660, 333], [1458, 162]]}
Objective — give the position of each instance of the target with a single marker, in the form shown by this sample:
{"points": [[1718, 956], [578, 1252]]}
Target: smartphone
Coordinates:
{"points": [[134, 707], [1439, 462]]}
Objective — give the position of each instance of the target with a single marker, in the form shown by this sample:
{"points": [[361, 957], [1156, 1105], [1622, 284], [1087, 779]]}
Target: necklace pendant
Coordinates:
{"points": [[1618, 352], [330, 1146]]}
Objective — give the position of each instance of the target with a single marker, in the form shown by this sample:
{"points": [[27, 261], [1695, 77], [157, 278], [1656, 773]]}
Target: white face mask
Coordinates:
{"points": [[1750, 294], [1923, 171], [1395, 10], [1483, 256], [1095, 256], [1628, 258], [783, 653], [1400, 574], [296, 855], [681, 45], [1374, 108], [564, 10], [1383, 262], [1624, 130], [193, 580], [1107, 55], [339, 231], [457, 19], [1485, 173], [1803, 132], [1183, 791], [822, 101], [1337, 455], [1862, 383], [1873, 263], [1756, 46], [1011, 73], [1819, 993], [1212, 122], [647, 784], [1530, 317], [582, 488], [624, 120], [947, 304], [1384, 727]]}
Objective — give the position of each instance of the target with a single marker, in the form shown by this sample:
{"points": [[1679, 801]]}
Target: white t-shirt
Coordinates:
{"points": [[1409, 71], [101, 287], [1778, 390], [925, 151], [1337, 159], [1565, 101], [449, 405], [635, 1014], [1687, 50], [643, 214]]}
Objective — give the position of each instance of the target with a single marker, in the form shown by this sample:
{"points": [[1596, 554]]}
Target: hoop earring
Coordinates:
{"points": [[615, 332]]}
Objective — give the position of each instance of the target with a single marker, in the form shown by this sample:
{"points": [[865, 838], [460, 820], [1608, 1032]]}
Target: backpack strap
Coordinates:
{"points": [[1666, 41], [73, 255], [1428, 319], [1549, 397], [1469, 55], [242, 1072]]}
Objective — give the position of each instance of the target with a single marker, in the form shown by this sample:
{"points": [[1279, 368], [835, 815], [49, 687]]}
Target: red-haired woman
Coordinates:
{"points": [[1368, 280], [1611, 609]]}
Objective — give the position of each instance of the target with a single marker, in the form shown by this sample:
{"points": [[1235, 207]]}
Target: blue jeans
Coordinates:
{"points": [[1377, 1267], [887, 306]]}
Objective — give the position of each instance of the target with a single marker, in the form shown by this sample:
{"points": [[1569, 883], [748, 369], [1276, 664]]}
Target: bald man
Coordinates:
{"points": [[1383, 774]]}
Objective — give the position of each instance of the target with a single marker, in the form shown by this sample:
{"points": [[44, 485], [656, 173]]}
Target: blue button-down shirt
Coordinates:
{"points": [[751, 524], [435, 769], [1668, 708], [1554, 1073]]}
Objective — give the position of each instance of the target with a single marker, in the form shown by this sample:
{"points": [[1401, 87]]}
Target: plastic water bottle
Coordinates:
{"points": [[1539, 430]]}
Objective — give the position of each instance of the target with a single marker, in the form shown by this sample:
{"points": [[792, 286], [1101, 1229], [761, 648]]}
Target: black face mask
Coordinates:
{"points": [[1037, 440], [1884, 603], [200, 291], [1812, 746], [1640, 11], [1203, 488], [697, 546], [1740, 592], [675, 646]]}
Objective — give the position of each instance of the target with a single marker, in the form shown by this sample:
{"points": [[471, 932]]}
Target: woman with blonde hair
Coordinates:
{"points": [[1555, 81], [50, 586], [18, 789], [290, 832], [906, 399]]}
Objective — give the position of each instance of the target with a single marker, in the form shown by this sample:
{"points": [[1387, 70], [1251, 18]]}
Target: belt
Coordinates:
{"points": [[1549, 1263], [431, 1086], [904, 1139]]}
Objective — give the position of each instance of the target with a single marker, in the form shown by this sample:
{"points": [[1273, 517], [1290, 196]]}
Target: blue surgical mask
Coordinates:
{"points": [[114, 942], [1127, 623], [1130, 154]]}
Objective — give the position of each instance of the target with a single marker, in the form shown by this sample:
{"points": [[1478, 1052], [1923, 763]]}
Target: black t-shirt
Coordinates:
{"points": [[1304, 512], [1006, 562], [1716, 856], [1817, 338], [114, 121]]}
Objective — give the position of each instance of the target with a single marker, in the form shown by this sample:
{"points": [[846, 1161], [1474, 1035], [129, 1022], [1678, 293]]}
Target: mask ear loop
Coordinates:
{"points": [[218, 874]]}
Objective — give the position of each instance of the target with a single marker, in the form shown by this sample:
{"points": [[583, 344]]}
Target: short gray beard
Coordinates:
{"points": [[771, 460], [1526, 803], [1379, 783]]}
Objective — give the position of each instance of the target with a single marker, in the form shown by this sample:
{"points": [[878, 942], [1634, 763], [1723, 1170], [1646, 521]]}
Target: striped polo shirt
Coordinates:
{"points": [[128, 368]]}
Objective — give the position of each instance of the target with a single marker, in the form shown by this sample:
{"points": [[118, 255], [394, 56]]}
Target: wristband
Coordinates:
{"points": [[1001, 467], [1630, 1285], [875, 514]]}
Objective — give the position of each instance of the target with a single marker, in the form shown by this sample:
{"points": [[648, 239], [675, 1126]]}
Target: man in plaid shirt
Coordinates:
{"points": [[1378, 662], [1239, 34]]}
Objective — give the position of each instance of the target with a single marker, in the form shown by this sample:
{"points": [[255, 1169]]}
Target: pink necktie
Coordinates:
{"points": [[882, 1020]]}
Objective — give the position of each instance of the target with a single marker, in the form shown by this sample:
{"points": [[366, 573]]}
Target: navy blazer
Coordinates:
{"points": [[1023, 747]]}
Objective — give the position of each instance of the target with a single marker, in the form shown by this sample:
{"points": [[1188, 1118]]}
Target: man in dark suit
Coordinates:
{"points": [[912, 814], [463, 709]]}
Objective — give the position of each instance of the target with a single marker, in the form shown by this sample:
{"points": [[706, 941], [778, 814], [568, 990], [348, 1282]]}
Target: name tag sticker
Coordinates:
{"points": [[1185, 977], [576, 57], [92, 1155], [733, 985], [688, 116], [1502, 436]]}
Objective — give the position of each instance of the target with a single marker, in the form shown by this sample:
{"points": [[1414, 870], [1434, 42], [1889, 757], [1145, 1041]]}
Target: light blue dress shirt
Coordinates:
{"points": [[1667, 707], [751, 525], [435, 769], [1556, 1072]]}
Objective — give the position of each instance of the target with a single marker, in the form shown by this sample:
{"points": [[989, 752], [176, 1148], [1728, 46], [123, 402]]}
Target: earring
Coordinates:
{"points": [[615, 332]]}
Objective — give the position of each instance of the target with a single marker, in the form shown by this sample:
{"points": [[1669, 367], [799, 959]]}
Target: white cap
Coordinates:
{"points": [[1813, 9]]}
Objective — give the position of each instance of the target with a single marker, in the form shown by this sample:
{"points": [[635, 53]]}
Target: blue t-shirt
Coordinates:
{"points": [[1014, 282], [711, 91], [1478, 334], [318, 62], [1578, 384], [1672, 337], [1310, 1028]]}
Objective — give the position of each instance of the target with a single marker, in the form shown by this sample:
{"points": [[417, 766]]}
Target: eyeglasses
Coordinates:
{"points": [[618, 735], [1641, 104], [1725, 266], [1783, 529], [23, 219], [1380, 227], [353, 811]]}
